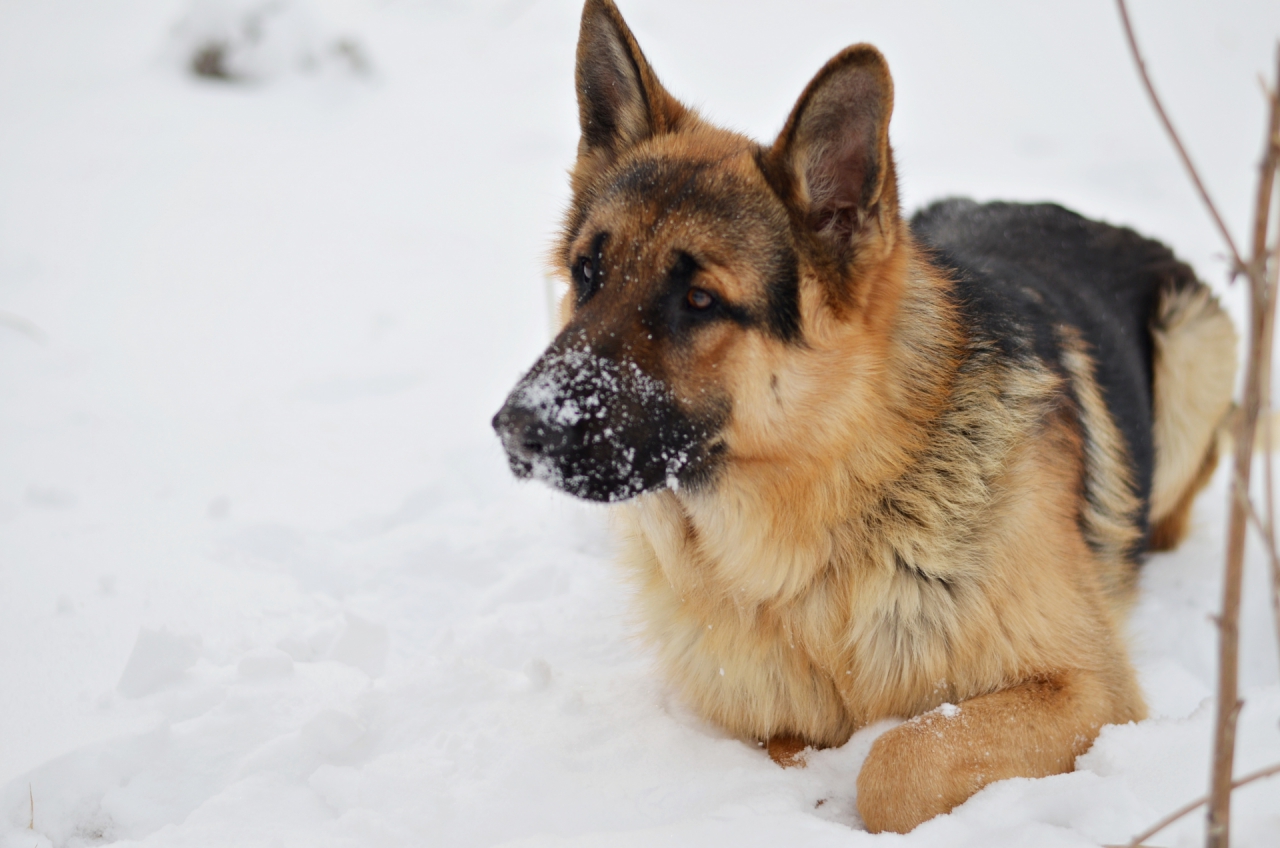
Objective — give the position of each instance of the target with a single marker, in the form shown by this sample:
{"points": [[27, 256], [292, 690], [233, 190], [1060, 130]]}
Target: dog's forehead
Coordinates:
{"points": [[660, 203], [677, 186]]}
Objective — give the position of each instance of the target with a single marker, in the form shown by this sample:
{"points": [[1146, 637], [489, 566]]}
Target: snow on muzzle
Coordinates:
{"points": [[601, 429]]}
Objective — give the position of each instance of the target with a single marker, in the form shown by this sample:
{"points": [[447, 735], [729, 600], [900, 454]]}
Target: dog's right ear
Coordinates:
{"points": [[832, 162], [620, 101]]}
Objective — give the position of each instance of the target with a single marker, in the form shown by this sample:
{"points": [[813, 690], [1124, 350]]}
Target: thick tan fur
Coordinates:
{"points": [[1195, 365], [904, 519], [779, 606]]}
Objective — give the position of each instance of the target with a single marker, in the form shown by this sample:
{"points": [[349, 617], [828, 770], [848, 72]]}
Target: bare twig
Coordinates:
{"points": [[1273, 559], [1272, 162], [1269, 536], [1177, 142], [1256, 391], [1268, 540], [1266, 180], [1256, 388], [1187, 809], [1257, 374], [1272, 284], [1266, 292]]}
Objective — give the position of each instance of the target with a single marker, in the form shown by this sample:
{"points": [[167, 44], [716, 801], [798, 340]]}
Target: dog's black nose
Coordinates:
{"points": [[528, 435]]}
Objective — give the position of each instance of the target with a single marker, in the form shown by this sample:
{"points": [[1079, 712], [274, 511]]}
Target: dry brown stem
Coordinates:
{"points": [[1187, 809], [1177, 142], [1261, 275], [1274, 557], [1271, 166], [1256, 398], [1264, 530]]}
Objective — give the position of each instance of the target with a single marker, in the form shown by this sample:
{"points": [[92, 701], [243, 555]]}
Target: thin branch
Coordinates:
{"points": [[1268, 540], [1272, 287], [1268, 466], [1228, 699], [1274, 557], [1137, 841], [1257, 378], [1177, 142], [1262, 303], [1266, 180]]}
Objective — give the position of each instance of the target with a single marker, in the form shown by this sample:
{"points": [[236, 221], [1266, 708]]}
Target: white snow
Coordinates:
{"points": [[158, 659], [267, 578]]}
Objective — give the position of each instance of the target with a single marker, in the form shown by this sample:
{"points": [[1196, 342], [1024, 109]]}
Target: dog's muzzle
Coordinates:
{"points": [[598, 428], [529, 439]]}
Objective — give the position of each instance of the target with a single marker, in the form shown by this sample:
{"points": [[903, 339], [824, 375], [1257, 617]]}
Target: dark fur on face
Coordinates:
{"points": [[616, 406]]}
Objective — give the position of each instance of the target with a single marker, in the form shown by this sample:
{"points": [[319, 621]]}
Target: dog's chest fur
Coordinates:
{"points": [[813, 605]]}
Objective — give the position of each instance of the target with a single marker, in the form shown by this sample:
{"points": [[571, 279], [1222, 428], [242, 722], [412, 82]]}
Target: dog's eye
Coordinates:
{"points": [[585, 279], [700, 299], [588, 271]]}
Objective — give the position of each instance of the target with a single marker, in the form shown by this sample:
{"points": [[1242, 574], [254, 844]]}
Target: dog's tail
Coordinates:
{"points": [[1195, 366]]}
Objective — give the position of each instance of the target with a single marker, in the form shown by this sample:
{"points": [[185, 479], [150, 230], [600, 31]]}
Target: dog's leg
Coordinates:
{"points": [[786, 751], [935, 761]]}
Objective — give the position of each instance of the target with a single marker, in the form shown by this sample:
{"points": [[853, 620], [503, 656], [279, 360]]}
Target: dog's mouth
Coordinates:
{"points": [[601, 429]]}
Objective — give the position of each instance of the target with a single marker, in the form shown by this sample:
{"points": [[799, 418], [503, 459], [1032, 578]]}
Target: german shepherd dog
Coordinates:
{"points": [[866, 467]]}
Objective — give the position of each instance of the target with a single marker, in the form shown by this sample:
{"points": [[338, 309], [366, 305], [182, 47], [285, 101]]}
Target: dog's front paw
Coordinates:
{"points": [[787, 751], [912, 774]]}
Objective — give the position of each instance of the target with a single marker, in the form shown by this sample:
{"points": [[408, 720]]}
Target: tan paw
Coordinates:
{"points": [[787, 751], [912, 775]]}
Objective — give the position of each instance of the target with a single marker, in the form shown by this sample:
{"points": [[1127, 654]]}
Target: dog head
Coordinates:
{"points": [[712, 279]]}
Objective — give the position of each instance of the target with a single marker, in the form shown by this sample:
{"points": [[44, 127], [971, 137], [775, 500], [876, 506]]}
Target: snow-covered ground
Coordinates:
{"points": [[266, 578]]}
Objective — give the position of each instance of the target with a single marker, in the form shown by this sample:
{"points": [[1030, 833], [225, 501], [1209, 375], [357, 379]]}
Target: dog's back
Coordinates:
{"points": [[1160, 350]]}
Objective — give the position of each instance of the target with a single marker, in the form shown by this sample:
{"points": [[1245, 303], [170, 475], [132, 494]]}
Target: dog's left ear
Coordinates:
{"points": [[832, 162], [620, 101]]}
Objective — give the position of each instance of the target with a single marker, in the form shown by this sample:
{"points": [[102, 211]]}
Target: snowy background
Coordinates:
{"points": [[266, 578]]}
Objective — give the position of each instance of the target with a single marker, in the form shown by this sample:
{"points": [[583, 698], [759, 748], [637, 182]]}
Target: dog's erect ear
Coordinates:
{"points": [[832, 160], [620, 101]]}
